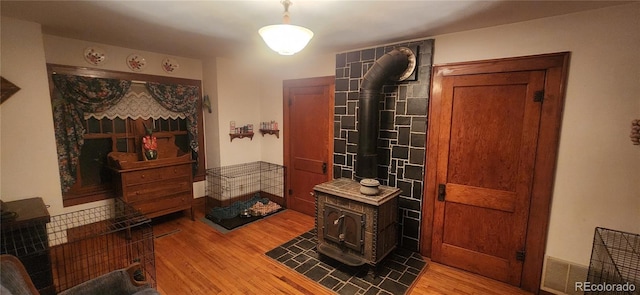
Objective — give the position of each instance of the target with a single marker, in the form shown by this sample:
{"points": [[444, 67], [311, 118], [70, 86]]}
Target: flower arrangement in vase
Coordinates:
{"points": [[149, 145]]}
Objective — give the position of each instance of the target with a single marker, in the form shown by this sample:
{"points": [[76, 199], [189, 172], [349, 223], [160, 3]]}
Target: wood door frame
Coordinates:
{"points": [[305, 82], [556, 67]]}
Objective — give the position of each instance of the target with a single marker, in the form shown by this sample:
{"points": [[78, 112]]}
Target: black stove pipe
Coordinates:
{"points": [[389, 66]]}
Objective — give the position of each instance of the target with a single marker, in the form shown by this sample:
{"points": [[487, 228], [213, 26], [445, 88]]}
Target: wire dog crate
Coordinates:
{"points": [[237, 187], [89, 243], [615, 262]]}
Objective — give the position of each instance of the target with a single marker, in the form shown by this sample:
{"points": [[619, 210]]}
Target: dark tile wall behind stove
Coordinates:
{"points": [[403, 130]]}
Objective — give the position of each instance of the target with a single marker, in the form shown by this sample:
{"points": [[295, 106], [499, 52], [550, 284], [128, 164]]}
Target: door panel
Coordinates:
{"points": [[477, 220], [310, 165], [485, 158], [308, 144], [486, 123], [481, 197]]}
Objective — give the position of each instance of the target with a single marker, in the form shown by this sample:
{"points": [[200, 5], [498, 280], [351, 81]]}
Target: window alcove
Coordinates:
{"points": [[118, 126]]}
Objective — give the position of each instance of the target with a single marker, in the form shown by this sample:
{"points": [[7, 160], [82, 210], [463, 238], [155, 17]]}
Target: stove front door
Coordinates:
{"points": [[344, 227]]}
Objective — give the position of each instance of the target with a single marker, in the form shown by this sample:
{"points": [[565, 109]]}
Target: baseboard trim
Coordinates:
{"points": [[198, 202]]}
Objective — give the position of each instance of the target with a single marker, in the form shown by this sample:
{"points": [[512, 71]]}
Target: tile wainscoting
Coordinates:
{"points": [[403, 129]]}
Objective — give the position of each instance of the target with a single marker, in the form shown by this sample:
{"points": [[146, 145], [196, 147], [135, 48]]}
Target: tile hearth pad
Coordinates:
{"points": [[394, 275]]}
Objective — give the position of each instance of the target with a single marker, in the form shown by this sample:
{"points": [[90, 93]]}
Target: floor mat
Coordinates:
{"points": [[394, 275], [234, 222], [225, 230]]}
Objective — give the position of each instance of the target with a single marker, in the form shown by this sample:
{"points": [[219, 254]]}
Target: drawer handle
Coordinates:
{"points": [[142, 176], [175, 170]]}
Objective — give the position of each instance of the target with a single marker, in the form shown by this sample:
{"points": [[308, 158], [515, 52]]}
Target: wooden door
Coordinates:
{"points": [[493, 134], [308, 139], [486, 153]]}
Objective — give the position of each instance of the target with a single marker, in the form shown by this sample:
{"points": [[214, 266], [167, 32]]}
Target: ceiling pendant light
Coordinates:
{"points": [[286, 39]]}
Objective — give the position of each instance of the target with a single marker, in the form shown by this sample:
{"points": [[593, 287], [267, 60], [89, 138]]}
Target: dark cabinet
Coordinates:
{"points": [[24, 235]]}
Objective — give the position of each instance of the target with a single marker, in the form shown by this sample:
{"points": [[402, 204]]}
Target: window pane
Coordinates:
{"points": [[164, 125], [183, 124], [93, 157], [182, 141], [121, 145], [93, 125], [120, 125], [107, 125], [173, 123]]}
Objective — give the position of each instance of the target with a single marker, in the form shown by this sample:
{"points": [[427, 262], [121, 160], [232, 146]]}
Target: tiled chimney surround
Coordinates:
{"points": [[403, 129]]}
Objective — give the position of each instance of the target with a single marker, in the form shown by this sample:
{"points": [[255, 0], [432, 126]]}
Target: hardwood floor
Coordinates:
{"points": [[194, 258]]}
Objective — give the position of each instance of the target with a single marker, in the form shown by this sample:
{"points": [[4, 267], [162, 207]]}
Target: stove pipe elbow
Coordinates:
{"points": [[397, 65]]}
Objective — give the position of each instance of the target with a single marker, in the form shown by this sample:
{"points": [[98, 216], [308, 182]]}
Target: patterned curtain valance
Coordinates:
{"points": [[76, 95], [137, 103], [182, 99]]}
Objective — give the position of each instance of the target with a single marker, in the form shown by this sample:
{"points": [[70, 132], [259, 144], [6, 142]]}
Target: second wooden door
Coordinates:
{"points": [[308, 140], [486, 153]]}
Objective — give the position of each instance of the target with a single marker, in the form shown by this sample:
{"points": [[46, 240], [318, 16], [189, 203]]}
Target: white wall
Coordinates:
{"points": [[65, 51], [250, 91], [598, 172], [211, 130], [238, 101], [29, 165], [305, 64]]}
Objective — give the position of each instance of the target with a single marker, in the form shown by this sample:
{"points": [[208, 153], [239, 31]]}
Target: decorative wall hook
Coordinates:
{"points": [[207, 103]]}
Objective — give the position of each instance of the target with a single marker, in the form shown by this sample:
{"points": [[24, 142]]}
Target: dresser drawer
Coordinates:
{"points": [[168, 203], [160, 188], [155, 174], [154, 190]]}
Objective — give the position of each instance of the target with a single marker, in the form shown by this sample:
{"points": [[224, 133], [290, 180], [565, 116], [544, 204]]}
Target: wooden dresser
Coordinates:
{"points": [[157, 188]]}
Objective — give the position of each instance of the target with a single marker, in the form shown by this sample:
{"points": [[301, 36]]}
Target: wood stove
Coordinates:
{"points": [[353, 228]]}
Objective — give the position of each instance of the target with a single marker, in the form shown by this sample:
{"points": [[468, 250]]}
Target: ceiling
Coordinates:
{"points": [[201, 29]]}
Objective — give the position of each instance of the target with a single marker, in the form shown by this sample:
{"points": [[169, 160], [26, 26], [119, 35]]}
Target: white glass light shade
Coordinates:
{"points": [[286, 39]]}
